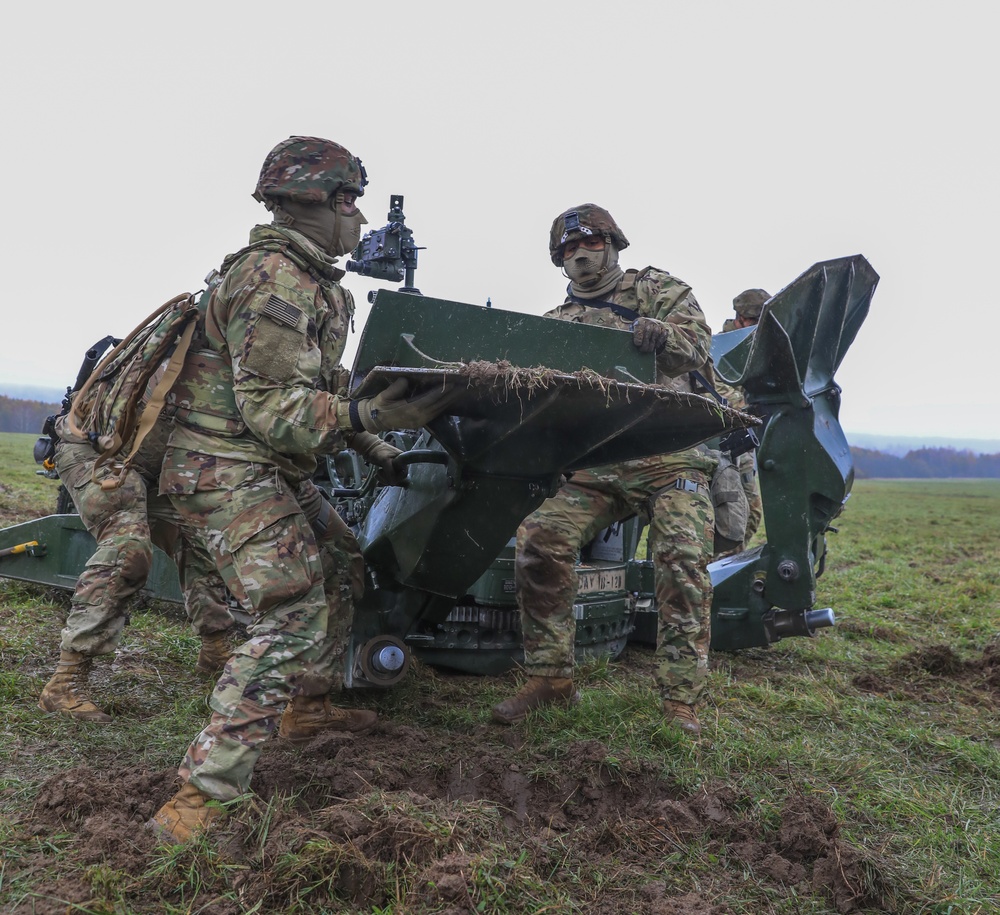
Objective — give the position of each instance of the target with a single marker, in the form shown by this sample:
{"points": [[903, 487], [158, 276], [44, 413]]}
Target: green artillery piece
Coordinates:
{"points": [[786, 366], [539, 398]]}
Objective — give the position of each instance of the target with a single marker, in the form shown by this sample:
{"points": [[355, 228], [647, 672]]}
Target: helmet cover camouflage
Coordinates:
{"points": [[750, 302], [586, 219], [309, 170]]}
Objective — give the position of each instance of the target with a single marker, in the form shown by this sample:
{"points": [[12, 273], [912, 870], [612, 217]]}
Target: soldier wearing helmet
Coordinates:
{"points": [[258, 398], [748, 306], [312, 185], [670, 491]]}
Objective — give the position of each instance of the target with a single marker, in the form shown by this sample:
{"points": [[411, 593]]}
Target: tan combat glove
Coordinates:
{"points": [[390, 409], [382, 455], [649, 335]]}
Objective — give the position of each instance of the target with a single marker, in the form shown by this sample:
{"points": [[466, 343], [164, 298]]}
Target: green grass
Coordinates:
{"points": [[23, 493], [890, 721]]}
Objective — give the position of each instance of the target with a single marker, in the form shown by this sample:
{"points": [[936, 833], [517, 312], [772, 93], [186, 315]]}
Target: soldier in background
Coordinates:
{"points": [[257, 400], [670, 491], [126, 521], [748, 306]]}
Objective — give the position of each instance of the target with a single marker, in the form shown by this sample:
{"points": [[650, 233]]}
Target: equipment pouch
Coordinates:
{"points": [[731, 507]]}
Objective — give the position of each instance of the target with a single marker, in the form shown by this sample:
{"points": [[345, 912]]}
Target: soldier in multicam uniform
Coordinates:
{"points": [[748, 306], [671, 491], [125, 521], [256, 401]]}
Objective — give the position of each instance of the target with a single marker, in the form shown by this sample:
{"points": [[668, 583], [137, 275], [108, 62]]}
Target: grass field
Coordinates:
{"points": [[855, 772]]}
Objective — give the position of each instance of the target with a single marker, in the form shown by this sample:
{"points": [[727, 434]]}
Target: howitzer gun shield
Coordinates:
{"points": [[516, 422]]}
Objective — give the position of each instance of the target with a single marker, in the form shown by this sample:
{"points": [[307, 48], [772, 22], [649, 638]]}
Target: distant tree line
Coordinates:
{"points": [[29, 416], [24, 415], [925, 462]]}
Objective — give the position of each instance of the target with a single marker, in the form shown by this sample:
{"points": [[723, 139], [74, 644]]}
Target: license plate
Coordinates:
{"points": [[594, 580]]}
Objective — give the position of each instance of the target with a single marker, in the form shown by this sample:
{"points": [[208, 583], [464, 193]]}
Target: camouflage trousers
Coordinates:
{"points": [[299, 595], [681, 537], [125, 522]]}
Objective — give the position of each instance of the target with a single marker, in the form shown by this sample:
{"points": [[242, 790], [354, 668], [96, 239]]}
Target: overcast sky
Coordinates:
{"points": [[735, 143]]}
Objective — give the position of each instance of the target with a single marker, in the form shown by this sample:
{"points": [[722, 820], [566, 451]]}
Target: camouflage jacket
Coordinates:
{"points": [[654, 293], [261, 384]]}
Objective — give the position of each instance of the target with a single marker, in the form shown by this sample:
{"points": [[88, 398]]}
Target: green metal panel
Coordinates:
{"points": [[421, 332], [538, 411], [64, 547]]}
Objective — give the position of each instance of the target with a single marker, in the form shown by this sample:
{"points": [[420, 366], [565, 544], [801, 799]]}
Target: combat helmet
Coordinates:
{"points": [[309, 170], [587, 219], [749, 303]]}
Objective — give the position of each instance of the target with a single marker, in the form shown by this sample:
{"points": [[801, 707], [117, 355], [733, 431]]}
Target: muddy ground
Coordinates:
{"points": [[345, 817], [441, 805]]}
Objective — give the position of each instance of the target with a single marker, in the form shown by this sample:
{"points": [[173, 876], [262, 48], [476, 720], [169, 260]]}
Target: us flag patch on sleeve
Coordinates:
{"points": [[281, 311]]}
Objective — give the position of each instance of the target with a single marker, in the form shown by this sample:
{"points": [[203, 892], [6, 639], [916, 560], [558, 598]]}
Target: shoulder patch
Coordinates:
{"points": [[282, 312]]}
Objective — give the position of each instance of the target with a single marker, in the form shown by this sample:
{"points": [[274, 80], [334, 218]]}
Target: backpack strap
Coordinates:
{"points": [[74, 420], [152, 410], [698, 378], [629, 314]]}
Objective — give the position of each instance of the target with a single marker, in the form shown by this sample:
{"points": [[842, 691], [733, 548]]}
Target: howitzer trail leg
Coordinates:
{"points": [[65, 693]]}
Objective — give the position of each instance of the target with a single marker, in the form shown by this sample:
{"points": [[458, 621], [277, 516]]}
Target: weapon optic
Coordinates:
{"points": [[388, 253]]}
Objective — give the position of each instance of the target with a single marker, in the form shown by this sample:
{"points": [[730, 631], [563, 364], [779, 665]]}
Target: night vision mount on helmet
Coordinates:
{"points": [[586, 219]]}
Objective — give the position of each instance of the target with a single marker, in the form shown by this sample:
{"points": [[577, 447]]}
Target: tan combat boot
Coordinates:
{"points": [[186, 813], [306, 716], [65, 693], [681, 715], [216, 650], [537, 691]]}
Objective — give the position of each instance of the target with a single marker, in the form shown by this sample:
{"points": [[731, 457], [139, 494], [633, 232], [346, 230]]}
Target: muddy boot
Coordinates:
{"points": [[66, 692], [537, 691], [681, 715], [216, 649], [186, 813], [306, 716]]}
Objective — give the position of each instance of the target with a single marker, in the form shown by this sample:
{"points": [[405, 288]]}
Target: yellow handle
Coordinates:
{"points": [[20, 548]]}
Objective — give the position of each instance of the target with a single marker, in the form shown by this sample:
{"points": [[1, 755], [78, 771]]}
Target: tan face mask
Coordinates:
{"points": [[348, 229], [584, 266], [326, 225], [593, 273]]}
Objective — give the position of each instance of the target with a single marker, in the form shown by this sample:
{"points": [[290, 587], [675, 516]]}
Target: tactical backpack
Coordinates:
{"points": [[119, 403]]}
